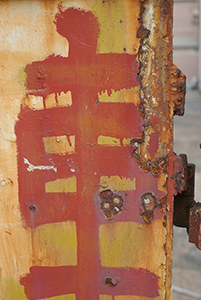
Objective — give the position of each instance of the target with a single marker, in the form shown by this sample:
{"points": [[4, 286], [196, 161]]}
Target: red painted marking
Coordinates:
{"points": [[7, 232], [44, 282], [153, 144], [84, 73]]}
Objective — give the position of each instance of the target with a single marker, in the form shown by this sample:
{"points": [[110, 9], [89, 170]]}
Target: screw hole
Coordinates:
{"points": [[32, 207]]}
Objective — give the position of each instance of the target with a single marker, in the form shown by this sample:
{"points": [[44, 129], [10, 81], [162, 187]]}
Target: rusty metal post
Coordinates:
{"points": [[89, 171], [195, 225]]}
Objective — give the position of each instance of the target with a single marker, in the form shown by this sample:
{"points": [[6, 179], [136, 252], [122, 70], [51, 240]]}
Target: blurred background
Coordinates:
{"points": [[187, 138]]}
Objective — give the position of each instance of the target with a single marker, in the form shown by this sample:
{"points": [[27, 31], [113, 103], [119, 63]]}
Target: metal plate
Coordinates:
{"points": [[86, 150]]}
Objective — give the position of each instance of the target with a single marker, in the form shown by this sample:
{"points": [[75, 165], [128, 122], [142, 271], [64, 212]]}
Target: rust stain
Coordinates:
{"points": [[177, 90], [162, 96], [162, 90], [111, 281], [151, 150], [111, 204], [162, 87], [195, 225], [149, 203], [143, 32], [180, 173]]}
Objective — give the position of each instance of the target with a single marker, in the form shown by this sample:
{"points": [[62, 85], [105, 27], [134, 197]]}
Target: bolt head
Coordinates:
{"points": [[116, 200], [106, 205]]}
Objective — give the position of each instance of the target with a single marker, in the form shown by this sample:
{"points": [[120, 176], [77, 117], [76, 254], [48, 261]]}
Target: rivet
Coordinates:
{"points": [[106, 205], [178, 72], [116, 200], [147, 201]]}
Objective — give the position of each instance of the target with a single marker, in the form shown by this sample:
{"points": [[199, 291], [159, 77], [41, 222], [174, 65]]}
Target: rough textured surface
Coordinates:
{"points": [[186, 257], [83, 97]]}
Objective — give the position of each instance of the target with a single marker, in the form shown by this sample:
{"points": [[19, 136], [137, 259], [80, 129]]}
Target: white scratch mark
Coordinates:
{"points": [[31, 167]]}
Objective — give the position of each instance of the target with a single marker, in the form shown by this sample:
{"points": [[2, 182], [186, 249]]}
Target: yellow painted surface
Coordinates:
{"points": [[124, 96], [59, 144], [105, 297], [161, 183], [108, 141], [15, 256], [28, 33], [63, 297], [131, 14], [124, 297], [64, 185], [111, 38], [131, 244], [50, 101], [36, 103], [123, 240], [63, 100], [13, 290], [118, 20], [117, 183], [132, 297], [126, 142], [55, 244], [33, 102], [112, 141]]}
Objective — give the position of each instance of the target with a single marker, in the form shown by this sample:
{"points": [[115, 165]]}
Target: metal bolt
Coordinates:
{"points": [[116, 200], [147, 201], [180, 85], [111, 281], [106, 205]]}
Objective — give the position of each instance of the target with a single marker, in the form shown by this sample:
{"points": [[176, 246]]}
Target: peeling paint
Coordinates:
{"points": [[84, 110], [31, 167]]}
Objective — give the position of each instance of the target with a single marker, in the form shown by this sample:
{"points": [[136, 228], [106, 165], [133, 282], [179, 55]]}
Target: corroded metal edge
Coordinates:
{"points": [[155, 57], [157, 108]]}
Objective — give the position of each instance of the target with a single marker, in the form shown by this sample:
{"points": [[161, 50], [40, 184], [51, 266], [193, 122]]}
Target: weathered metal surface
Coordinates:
{"points": [[180, 174], [187, 212], [112, 204], [195, 225], [178, 90], [87, 136], [184, 200]]}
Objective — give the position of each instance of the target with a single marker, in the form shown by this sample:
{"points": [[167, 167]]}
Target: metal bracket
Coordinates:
{"points": [[187, 212], [178, 90]]}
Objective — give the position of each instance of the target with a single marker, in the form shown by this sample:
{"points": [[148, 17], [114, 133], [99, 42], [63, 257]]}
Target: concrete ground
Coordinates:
{"points": [[186, 257]]}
